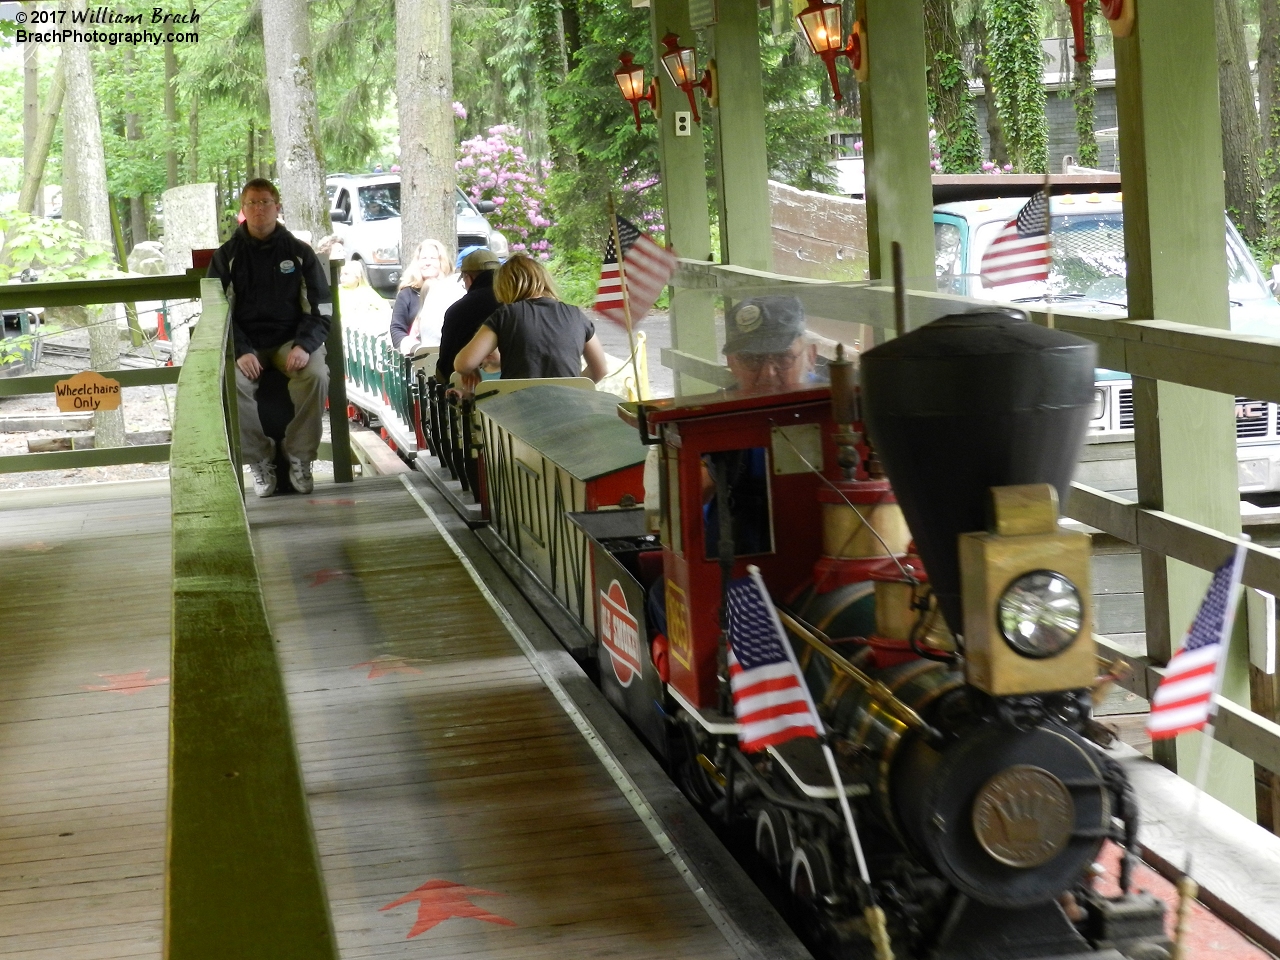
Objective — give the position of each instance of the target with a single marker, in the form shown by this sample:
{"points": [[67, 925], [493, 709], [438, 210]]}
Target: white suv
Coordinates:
{"points": [[365, 211]]}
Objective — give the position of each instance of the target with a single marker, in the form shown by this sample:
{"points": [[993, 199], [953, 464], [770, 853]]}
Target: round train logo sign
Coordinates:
{"points": [[620, 634]]}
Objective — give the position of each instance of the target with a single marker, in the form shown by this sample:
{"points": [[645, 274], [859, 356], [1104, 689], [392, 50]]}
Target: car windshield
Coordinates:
{"points": [[462, 205], [1087, 253], [380, 201]]}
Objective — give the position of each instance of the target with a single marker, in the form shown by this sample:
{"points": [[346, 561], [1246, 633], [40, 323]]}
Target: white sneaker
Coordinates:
{"points": [[264, 477], [300, 475]]}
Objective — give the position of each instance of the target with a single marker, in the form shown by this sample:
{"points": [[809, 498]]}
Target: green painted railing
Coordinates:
{"points": [[242, 874], [18, 296]]}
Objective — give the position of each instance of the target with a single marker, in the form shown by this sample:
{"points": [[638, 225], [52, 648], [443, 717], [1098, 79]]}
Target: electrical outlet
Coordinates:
{"points": [[684, 123]]}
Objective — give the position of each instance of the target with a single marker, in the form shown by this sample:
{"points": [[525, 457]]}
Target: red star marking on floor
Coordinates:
{"points": [[127, 683], [321, 577], [332, 502], [441, 900], [381, 666]]}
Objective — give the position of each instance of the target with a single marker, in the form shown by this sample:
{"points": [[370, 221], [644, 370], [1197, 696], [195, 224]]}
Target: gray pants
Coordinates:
{"points": [[308, 388]]}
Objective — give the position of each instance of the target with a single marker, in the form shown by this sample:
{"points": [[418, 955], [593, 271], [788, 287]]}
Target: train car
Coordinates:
{"points": [[907, 530]]}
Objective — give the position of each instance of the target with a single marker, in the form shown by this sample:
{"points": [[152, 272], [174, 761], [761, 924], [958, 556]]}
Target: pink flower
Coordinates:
{"points": [[459, 111]]}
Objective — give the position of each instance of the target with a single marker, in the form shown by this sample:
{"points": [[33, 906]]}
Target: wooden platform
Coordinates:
{"points": [[459, 810], [84, 697]]}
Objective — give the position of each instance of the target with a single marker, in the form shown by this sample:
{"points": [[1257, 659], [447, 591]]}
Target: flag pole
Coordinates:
{"points": [[1188, 889], [1048, 221], [873, 912], [626, 297]]}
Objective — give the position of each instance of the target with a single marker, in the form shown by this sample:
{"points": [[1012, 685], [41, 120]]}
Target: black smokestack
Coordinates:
{"points": [[968, 402]]}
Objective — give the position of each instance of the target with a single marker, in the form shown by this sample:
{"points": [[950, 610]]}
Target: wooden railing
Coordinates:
{"points": [[19, 296], [242, 874], [1217, 360]]}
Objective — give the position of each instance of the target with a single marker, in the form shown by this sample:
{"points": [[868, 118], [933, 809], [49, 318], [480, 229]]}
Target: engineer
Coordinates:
{"points": [[280, 308]]}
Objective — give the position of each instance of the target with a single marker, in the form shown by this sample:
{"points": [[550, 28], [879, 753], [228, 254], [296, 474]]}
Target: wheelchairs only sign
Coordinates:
{"points": [[87, 391]]}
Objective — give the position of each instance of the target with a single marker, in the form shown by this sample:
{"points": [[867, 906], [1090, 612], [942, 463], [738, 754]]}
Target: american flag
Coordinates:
{"points": [[648, 268], [770, 698], [1184, 699], [1020, 251]]}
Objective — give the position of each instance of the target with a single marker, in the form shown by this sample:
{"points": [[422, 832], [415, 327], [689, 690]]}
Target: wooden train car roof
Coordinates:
{"points": [[577, 429]]}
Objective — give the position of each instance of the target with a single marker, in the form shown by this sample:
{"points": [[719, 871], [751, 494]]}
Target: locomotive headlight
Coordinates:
{"points": [[1040, 614]]}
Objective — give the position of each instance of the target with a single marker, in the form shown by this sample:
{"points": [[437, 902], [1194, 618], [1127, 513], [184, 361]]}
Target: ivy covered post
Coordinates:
{"points": [[1174, 236], [1017, 72], [1084, 94], [955, 118]]}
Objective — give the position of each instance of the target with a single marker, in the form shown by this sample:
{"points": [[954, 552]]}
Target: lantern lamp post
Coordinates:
{"points": [[820, 22], [630, 79], [681, 64]]}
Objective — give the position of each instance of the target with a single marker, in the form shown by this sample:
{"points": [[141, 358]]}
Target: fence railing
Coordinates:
{"points": [[242, 875], [1217, 360], [22, 296]]}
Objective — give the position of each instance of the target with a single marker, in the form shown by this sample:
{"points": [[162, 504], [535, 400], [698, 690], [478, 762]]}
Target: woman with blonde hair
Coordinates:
{"points": [[427, 288], [537, 334]]}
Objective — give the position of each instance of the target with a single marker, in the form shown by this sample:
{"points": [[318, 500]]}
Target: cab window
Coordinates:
{"points": [[746, 474]]}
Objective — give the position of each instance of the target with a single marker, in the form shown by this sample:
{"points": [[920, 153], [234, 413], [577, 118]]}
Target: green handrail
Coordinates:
{"points": [[242, 876]]}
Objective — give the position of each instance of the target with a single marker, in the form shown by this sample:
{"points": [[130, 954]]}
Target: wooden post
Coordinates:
{"points": [[1171, 169], [335, 356], [742, 167], [895, 140], [684, 197]]}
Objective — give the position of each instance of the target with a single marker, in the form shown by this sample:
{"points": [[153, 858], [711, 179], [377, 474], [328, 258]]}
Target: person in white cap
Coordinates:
{"points": [[464, 316]]}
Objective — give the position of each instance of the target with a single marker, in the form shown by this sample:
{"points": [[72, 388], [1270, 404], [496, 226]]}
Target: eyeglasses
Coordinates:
{"points": [[259, 203], [755, 362]]}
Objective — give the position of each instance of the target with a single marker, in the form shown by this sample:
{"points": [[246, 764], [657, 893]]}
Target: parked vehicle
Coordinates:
{"points": [[365, 210], [1088, 274]]}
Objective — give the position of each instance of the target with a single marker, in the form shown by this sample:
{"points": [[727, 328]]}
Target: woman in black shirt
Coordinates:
{"points": [[538, 335]]}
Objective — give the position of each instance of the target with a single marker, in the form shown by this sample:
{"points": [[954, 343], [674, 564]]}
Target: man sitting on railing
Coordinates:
{"points": [[280, 308]]}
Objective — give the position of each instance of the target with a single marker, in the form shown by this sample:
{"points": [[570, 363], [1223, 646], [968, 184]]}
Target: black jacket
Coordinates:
{"points": [[402, 314], [463, 319], [277, 288]]}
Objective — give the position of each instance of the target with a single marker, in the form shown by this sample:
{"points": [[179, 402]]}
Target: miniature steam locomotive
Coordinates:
{"points": [[907, 528]]}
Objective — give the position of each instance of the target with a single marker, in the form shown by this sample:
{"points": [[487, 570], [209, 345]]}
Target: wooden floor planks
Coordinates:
{"points": [[454, 763], [82, 772]]}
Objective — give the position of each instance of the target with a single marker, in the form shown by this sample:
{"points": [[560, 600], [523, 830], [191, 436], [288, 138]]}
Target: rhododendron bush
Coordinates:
{"points": [[496, 168]]}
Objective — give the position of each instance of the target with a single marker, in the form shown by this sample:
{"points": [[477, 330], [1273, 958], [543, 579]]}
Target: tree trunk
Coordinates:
{"points": [[424, 94], [171, 115], [954, 115], [82, 138], [250, 168], [33, 170], [1240, 134], [133, 132], [1269, 99], [1084, 95], [31, 109], [291, 88], [1017, 69], [995, 131], [553, 66]]}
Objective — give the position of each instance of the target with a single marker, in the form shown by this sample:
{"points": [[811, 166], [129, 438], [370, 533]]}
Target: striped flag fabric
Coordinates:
{"points": [[770, 699], [1184, 699], [1020, 251], [648, 267]]}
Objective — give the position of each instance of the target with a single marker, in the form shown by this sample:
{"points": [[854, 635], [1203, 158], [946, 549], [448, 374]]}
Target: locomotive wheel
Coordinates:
{"points": [[812, 876], [774, 842]]}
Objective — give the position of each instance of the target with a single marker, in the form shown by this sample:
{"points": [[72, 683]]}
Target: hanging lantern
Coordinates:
{"points": [[1117, 13], [630, 79], [821, 24], [681, 64]]}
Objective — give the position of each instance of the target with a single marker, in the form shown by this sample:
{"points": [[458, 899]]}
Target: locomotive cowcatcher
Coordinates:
{"points": [[907, 528]]}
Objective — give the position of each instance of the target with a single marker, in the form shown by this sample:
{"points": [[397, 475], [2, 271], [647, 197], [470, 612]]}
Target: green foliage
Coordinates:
{"points": [[1017, 72], [59, 250], [959, 143], [1085, 95], [796, 120]]}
